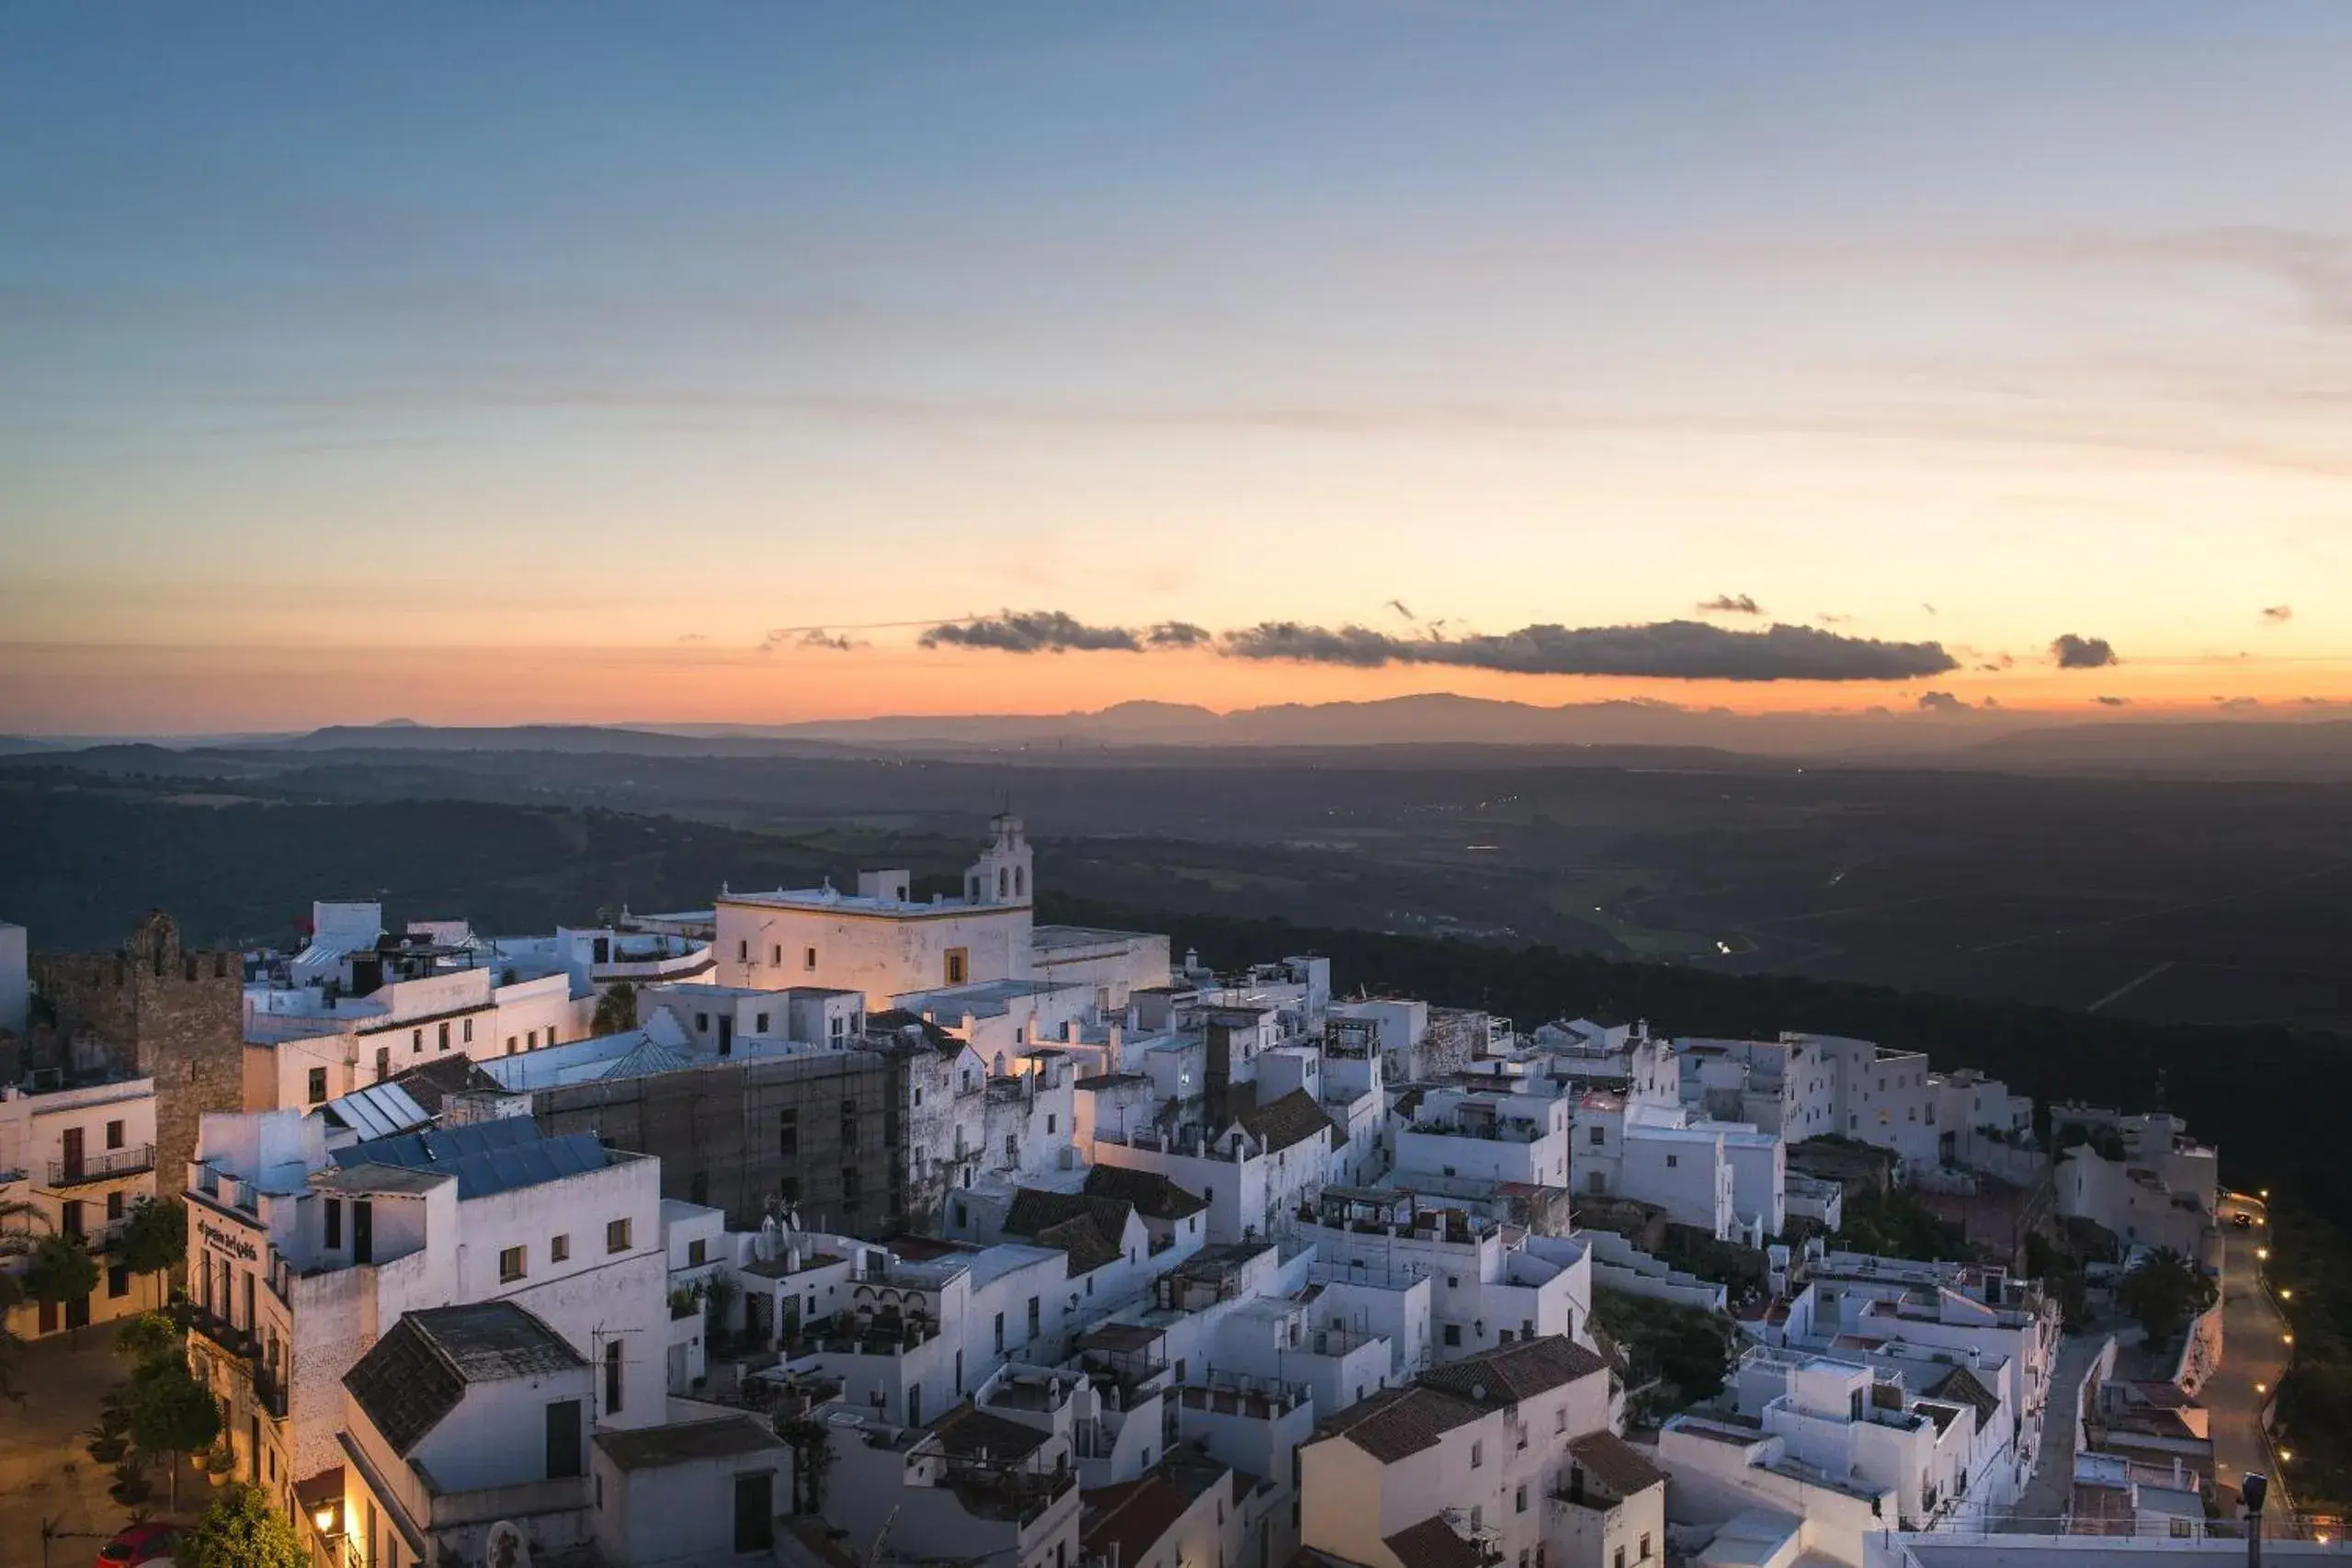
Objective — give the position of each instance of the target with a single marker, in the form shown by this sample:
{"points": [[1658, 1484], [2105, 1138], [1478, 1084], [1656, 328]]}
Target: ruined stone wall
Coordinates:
{"points": [[1457, 1037], [165, 1013]]}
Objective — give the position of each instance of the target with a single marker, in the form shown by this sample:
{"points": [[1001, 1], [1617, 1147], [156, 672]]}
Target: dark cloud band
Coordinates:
{"points": [[1666, 649]]}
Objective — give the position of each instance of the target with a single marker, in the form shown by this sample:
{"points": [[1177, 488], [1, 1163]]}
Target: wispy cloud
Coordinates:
{"points": [[2276, 614], [1730, 604]]}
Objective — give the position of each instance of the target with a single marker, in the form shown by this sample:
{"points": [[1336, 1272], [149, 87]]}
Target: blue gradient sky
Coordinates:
{"points": [[510, 343]]}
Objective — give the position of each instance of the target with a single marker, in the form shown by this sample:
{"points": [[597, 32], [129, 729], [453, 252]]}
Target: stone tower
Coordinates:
{"points": [[164, 1013]]}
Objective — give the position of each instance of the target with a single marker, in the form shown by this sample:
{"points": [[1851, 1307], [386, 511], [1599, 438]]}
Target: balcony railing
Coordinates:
{"points": [[105, 1166], [238, 1341]]}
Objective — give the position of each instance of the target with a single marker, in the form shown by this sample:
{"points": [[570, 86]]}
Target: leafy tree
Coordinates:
{"points": [[1896, 1224], [2164, 1291], [171, 1415], [154, 1237], [241, 1530], [616, 1010], [149, 1339], [59, 1269]]}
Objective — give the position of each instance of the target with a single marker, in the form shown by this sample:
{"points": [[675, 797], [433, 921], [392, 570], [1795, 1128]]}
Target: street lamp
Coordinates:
{"points": [[2286, 1295], [2262, 1253]]}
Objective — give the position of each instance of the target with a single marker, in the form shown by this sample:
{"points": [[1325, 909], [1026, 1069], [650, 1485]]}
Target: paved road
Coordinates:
{"points": [[45, 1473], [2254, 1353], [2052, 1486]]}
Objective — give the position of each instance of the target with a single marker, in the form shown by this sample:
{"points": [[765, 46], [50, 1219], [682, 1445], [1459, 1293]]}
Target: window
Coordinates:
{"points": [[383, 1061], [318, 1085], [742, 953], [114, 1135], [1034, 1320], [1600, 1135], [809, 960], [510, 1264], [441, 1037], [469, 1031], [513, 1045], [417, 1042], [334, 1223], [1617, 1559], [1477, 1455], [1645, 1546], [117, 1281], [551, 1034], [776, 955], [1049, 1124], [1559, 1419], [959, 965], [559, 1249], [1519, 1503], [788, 1133], [1672, 1159], [1000, 1334], [531, 1040], [759, 1023], [617, 1236], [612, 1377], [696, 1252], [701, 1023], [1453, 1334]]}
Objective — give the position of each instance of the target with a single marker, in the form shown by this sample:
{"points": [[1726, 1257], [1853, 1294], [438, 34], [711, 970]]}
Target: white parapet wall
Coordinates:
{"points": [[1618, 1264]]}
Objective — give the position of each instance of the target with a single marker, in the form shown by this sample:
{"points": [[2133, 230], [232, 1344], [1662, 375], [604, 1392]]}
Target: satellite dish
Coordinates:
{"points": [[506, 1547]]}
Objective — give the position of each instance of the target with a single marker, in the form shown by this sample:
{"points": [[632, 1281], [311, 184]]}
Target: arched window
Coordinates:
{"points": [[1020, 882], [1000, 882]]}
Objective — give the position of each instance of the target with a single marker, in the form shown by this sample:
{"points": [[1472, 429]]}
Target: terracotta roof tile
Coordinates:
{"points": [[1616, 1463], [1432, 1544], [1513, 1372]]}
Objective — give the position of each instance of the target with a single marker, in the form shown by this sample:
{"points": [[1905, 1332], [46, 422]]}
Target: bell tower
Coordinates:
{"points": [[1002, 874]]}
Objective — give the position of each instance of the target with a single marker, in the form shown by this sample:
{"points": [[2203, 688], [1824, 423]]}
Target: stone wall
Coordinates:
{"points": [[722, 1130], [165, 1013]]}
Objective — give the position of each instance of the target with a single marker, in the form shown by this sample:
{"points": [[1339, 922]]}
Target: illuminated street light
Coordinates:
{"points": [[2287, 1337], [2262, 1388], [2263, 1253], [2286, 1295], [325, 1518]]}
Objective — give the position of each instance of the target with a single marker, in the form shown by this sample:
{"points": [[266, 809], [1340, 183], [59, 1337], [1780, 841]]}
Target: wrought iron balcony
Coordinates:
{"points": [[107, 1167]]}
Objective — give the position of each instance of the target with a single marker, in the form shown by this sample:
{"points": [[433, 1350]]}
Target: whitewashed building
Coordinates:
{"points": [[80, 1158], [300, 1257], [1484, 1460]]}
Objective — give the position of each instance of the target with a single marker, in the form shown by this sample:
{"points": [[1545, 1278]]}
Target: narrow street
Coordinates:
{"points": [[2254, 1353], [2052, 1485]]}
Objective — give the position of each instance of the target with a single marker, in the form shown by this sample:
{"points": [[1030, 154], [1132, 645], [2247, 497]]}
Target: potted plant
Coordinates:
{"points": [[220, 1463], [130, 1486], [108, 1442]]}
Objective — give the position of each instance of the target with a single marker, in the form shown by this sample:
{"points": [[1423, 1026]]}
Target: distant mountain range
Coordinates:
{"points": [[2008, 742]]}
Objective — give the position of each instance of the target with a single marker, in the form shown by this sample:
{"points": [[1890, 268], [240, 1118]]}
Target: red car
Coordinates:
{"points": [[135, 1544]]}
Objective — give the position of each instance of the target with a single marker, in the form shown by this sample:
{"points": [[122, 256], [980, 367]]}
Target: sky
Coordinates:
{"points": [[605, 362]]}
